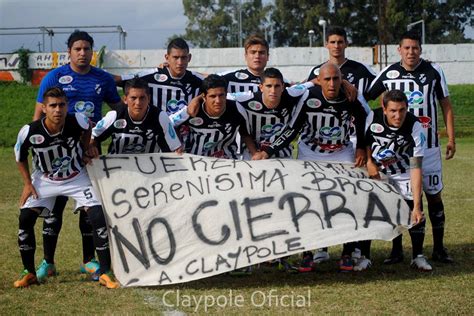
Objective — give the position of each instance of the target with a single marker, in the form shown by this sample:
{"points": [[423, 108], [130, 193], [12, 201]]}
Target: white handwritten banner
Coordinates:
{"points": [[177, 218]]}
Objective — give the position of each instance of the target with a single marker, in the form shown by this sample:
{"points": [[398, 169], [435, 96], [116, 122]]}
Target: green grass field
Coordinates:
{"points": [[449, 289]]}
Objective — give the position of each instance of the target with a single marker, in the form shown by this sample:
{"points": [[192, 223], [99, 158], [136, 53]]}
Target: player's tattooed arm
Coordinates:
{"points": [[416, 162]]}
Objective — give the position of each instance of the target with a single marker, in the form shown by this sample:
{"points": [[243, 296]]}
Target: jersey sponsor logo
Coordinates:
{"points": [[392, 74], [196, 121], [386, 157], [69, 88], [415, 98], [214, 125], [61, 163], [36, 139], [328, 132], [313, 103], [241, 75], [271, 129], [175, 105], [408, 76], [98, 88], [84, 107], [255, 105], [171, 131], [120, 124], [65, 79], [161, 77], [376, 128], [209, 145], [134, 149], [425, 121]]}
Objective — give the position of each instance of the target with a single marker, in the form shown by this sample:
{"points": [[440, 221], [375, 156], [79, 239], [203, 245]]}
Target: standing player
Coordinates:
{"points": [[86, 88], [395, 145], [213, 130], [57, 142], [173, 86], [423, 82], [324, 120], [355, 73], [137, 128]]}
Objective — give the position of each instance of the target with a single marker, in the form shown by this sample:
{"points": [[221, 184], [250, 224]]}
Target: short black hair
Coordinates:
{"points": [[54, 92], [412, 35], [136, 83], [213, 81], [394, 96], [336, 30], [177, 43], [271, 73], [79, 36]]}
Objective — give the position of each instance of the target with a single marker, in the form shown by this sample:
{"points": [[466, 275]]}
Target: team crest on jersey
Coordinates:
{"points": [[241, 75], [270, 130], [313, 103], [350, 77], [393, 74], [120, 124], [84, 107], [425, 121], [173, 105], [98, 88], [415, 99], [255, 105], [376, 128], [196, 121], [328, 132], [422, 78], [36, 139], [65, 79], [161, 77]]}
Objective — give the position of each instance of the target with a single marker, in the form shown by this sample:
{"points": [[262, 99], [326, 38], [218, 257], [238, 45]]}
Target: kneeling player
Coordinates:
{"points": [[57, 142], [395, 146], [138, 127]]}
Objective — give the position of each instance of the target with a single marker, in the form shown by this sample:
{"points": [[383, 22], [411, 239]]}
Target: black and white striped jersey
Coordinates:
{"points": [[213, 136], [358, 74], [167, 93], [155, 133], [241, 80], [324, 124], [392, 147], [265, 124], [423, 86], [58, 156]]}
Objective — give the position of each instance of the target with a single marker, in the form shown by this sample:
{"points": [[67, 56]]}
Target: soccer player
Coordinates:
{"points": [[136, 128], [269, 110], [324, 120], [424, 83], [173, 86], [356, 74], [57, 143], [86, 88], [212, 132], [395, 146]]}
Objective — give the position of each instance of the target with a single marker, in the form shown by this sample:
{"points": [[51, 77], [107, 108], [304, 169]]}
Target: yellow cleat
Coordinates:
{"points": [[26, 279], [108, 280]]}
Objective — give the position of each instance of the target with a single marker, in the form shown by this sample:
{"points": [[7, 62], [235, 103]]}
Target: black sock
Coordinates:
{"points": [[365, 248], [417, 234], [88, 249], [397, 246], [437, 217], [26, 238], [348, 248], [51, 228], [100, 234]]}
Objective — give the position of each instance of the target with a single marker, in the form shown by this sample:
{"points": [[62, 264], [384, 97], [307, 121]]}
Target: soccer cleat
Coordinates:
{"points": [[307, 264], [362, 264], [108, 280], [26, 279], [442, 256], [321, 256], [90, 267], [346, 264], [45, 270], [394, 258], [421, 263]]}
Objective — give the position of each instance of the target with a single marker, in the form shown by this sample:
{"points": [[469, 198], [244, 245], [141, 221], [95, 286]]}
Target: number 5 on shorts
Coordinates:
{"points": [[87, 193]]}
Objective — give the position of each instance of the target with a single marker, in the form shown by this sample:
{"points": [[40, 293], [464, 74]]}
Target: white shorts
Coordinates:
{"points": [[79, 188], [432, 171], [402, 183], [344, 155]]}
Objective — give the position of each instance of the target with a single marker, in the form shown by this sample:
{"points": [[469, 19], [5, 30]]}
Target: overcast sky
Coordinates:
{"points": [[148, 23]]}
